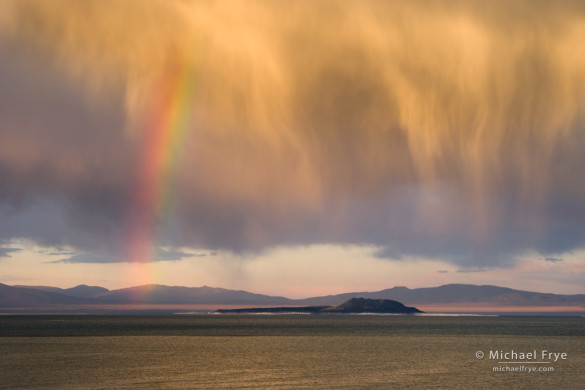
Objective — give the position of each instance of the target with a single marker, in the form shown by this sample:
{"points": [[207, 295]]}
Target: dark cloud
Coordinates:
{"points": [[420, 128], [65, 163], [6, 251], [64, 253], [161, 255], [172, 255], [469, 270], [88, 258], [553, 259]]}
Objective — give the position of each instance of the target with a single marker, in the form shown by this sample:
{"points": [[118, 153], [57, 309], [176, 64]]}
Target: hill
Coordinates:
{"points": [[28, 297], [82, 291], [352, 306], [159, 294], [365, 305]]}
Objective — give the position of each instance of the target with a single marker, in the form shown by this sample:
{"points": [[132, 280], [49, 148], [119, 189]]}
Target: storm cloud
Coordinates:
{"points": [[447, 130]]}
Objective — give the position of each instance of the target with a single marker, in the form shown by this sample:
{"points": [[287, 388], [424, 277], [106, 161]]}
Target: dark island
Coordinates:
{"points": [[352, 306]]}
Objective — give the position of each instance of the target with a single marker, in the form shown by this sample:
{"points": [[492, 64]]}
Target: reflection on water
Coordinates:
{"points": [[283, 351]]}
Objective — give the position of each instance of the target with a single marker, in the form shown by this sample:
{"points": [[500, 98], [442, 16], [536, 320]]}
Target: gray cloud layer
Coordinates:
{"points": [[161, 255], [439, 129], [6, 252]]}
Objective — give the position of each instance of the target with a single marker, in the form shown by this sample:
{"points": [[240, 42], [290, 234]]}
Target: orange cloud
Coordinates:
{"points": [[441, 125]]}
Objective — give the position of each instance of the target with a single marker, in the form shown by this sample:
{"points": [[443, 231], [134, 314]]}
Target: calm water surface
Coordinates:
{"points": [[326, 352]]}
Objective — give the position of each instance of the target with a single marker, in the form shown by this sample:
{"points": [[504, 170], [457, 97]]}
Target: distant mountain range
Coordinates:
{"points": [[457, 294], [153, 294], [451, 294]]}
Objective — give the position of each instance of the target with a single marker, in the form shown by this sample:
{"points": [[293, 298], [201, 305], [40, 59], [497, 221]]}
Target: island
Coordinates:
{"points": [[351, 306]]}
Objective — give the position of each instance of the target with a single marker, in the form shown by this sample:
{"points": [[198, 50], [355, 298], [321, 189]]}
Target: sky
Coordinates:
{"points": [[292, 148]]}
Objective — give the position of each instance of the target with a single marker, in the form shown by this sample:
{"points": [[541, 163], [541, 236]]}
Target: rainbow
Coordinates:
{"points": [[161, 149]]}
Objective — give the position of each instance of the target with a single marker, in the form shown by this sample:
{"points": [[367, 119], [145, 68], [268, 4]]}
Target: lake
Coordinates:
{"points": [[291, 351]]}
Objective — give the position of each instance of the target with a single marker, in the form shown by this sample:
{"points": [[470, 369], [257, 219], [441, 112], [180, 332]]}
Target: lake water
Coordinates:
{"points": [[290, 351]]}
